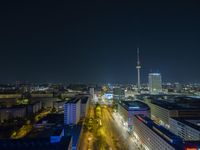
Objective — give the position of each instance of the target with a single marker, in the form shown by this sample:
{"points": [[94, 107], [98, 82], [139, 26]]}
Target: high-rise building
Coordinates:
{"points": [[84, 105], [118, 94], [91, 91], [155, 83], [72, 111]]}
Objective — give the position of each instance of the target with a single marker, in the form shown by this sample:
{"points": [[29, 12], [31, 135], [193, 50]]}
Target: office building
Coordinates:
{"points": [[72, 111], [47, 102], [155, 83], [59, 105], [118, 94], [84, 105], [129, 94], [91, 91], [34, 107], [154, 137], [12, 112], [186, 128], [127, 109], [163, 109]]}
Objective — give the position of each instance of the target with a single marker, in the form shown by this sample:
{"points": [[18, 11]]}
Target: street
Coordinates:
{"points": [[123, 140], [110, 135]]}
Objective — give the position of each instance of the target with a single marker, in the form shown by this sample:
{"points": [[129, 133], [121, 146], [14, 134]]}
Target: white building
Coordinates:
{"points": [[163, 110], [72, 111], [127, 109], [91, 91], [154, 137], [155, 83], [186, 128]]}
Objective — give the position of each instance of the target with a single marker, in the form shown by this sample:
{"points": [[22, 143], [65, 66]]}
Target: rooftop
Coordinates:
{"points": [[53, 118], [84, 99], [178, 103], [73, 100], [134, 105], [155, 74]]}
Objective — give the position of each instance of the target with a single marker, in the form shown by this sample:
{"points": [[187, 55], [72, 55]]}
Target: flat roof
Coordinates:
{"points": [[177, 104], [33, 102], [84, 99], [185, 120], [43, 99], [155, 74], [134, 105], [53, 118], [165, 134], [73, 100], [14, 107]]}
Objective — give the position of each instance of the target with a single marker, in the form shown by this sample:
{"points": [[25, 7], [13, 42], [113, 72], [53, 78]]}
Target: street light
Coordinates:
{"points": [[89, 139]]}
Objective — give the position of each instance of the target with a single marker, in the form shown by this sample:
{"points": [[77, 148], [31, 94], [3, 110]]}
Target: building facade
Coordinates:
{"points": [[72, 111], [155, 83], [154, 137], [118, 94], [34, 107], [127, 109], [84, 106], [12, 112], [59, 105], [186, 128], [163, 110], [91, 91]]}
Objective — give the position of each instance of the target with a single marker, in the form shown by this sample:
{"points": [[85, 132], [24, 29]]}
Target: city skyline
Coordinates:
{"points": [[59, 41], [100, 75]]}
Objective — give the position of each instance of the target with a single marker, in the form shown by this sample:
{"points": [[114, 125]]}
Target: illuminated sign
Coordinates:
{"points": [[134, 107], [108, 96], [191, 148]]}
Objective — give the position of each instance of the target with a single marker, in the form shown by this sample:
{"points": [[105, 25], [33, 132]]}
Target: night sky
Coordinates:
{"points": [[96, 41]]}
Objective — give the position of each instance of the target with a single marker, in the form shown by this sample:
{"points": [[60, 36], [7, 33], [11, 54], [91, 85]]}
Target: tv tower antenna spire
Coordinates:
{"points": [[138, 67]]}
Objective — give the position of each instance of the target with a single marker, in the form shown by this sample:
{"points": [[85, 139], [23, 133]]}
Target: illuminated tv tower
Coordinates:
{"points": [[138, 67]]}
